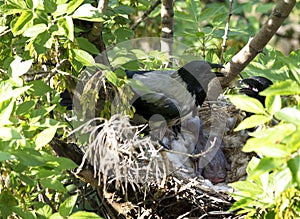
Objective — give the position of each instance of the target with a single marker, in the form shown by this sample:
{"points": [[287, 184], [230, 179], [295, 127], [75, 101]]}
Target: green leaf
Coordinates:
{"points": [[39, 88], [37, 115], [13, 7], [66, 23], [294, 166], [266, 165], [32, 4], [84, 214], [25, 107], [252, 121], [123, 34], [112, 77], [266, 148], [123, 9], [65, 163], [29, 157], [289, 114], [72, 5], [88, 12], [247, 104], [45, 211], [53, 183], [5, 156], [6, 109], [7, 199], [35, 30], [9, 134], [43, 42], [286, 87], [276, 133], [19, 67], [45, 136], [50, 6], [82, 57], [56, 215], [66, 208], [273, 104], [246, 189], [23, 22], [87, 46]]}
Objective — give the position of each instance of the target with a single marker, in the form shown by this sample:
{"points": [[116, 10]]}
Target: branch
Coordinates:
{"points": [[145, 15], [167, 19], [256, 44], [226, 31], [95, 35]]}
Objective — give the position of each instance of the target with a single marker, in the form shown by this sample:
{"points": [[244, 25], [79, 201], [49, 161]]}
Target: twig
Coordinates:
{"points": [[145, 15], [225, 37], [258, 42], [5, 32]]}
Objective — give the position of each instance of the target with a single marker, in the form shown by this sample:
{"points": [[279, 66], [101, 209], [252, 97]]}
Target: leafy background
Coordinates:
{"points": [[43, 48]]}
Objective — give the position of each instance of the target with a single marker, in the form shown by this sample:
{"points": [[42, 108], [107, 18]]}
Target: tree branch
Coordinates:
{"points": [[145, 15], [95, 35], [226, 31], [256, 44]]}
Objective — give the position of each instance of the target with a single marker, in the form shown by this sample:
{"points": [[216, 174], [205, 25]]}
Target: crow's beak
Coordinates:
{"points": [[215, 65], [219, 74]]}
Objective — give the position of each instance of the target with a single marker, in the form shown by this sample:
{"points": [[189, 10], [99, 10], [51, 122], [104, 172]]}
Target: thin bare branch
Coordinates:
{"points": [[145, 15], [226, 31]]}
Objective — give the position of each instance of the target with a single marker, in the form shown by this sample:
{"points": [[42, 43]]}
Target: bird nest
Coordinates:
{"points": [[136, 179]]}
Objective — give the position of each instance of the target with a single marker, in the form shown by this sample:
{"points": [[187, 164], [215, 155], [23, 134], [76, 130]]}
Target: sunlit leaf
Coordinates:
{"points": [[286, 87], [23, 22], [83, 57], [35, 30], [252, 121], [273, 104], [6, 109], [265, 148], [65, 209], [89, 13], [67, 24], [84, 214], [73, 5], [289, 114], [247, 104], [266, 165], [19, 67], [294, 166], [276, 133], [45, 136], [9, 134]]}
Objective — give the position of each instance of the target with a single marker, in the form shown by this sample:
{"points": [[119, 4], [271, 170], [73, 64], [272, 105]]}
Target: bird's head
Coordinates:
{"points": [[252, 86], [197, 75]]}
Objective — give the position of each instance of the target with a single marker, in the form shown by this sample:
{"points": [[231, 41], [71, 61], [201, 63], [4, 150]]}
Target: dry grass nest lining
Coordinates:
{"points": [[136, 167]]}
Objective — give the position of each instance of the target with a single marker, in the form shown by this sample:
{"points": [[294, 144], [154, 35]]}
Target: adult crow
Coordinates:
{"points": [[172, 94]]}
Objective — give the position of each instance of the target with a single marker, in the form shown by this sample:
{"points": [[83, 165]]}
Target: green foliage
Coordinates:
{"points": [[26, 129], [272, 187], [44, 43]]}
